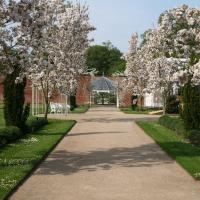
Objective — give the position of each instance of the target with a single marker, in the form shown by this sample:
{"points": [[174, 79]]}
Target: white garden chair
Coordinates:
{"points": [[59, 108], [53, 107], [67, 108]]}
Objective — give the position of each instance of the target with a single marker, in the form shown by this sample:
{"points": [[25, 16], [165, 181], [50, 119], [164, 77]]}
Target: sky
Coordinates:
{"points": [[116, 20]]}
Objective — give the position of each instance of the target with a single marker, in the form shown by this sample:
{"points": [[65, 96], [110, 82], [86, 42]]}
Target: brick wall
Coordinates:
{"points": [[83, 90]]}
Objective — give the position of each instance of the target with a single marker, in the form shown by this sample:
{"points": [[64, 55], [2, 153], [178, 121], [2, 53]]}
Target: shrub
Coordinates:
{"points": [[12, 133], [9, 134], [173, 123], [172, 105], [191, 107], [194, 137], [35, 123]]}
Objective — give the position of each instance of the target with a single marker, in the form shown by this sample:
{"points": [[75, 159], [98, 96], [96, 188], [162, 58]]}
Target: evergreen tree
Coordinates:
{"points": [[191, 106], [14, 112]]}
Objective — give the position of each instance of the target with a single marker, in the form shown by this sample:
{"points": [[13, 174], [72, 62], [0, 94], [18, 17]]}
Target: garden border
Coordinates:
{"points": [[30, 173]]}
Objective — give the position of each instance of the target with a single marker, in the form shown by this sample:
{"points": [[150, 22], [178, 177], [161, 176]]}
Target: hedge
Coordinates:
{"points": [[191, 106], [35, 123], [174, 123], [177, 125], [11, 133], [194, 137]]}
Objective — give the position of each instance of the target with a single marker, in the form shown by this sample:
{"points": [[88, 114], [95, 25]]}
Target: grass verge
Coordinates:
{"points": [[18, 160], [80, 109], [187, 155]]}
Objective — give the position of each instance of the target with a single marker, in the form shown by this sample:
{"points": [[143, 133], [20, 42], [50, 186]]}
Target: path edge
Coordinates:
{"points": [[195, 180], [31, 172]]}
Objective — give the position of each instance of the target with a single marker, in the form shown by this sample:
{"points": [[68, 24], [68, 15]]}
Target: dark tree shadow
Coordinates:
{"points": [[63, 162], [111, 120], [95, 133]]}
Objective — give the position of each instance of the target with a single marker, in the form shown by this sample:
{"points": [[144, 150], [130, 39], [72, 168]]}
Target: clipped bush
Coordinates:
{"points": [[35, 123], [194, 137], [9, 134], [173, 123]]}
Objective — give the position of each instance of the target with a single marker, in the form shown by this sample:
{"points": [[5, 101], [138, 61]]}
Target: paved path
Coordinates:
{"points": [[107, 157]]}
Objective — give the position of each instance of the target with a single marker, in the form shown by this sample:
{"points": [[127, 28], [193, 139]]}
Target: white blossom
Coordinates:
{"points": [[136, 72]]}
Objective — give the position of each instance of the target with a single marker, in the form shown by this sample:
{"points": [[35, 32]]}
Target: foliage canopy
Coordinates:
{"points": [[105, 58]]}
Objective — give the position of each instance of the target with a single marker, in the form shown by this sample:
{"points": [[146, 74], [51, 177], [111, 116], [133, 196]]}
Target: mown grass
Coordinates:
{"points": [[80, 109], [18, 159], [129, 110], [187, 155]]}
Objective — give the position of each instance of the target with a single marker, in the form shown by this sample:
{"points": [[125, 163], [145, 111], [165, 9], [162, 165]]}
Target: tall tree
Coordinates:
{"points": [[136, 72], [51, 39], [59, 41], [106, 59]]}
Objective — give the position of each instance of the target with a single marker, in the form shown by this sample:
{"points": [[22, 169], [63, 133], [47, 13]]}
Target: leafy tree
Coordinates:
{"points": [[105, 58]]}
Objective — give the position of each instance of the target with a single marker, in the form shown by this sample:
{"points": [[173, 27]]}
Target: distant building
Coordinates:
{"points": [[90, 90], [152, 100], [91, 86]]}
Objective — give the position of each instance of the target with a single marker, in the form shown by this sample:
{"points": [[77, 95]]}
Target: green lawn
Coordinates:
{"points": [[129, 110], [187, 155], [18, 159], [80, 109]]}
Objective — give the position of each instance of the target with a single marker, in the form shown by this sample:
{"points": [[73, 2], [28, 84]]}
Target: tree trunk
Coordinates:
{"points": [[140, 105], [164, 104], [46, 108], [46, 99]]}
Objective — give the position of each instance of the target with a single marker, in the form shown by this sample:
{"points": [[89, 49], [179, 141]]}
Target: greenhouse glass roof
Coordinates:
{"points": [[103, 84]]}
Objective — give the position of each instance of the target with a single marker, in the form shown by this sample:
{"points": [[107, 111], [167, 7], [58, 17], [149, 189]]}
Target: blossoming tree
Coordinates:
{"points": [[136, 71], [58, 41], [170, 50], [182, 32]]}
